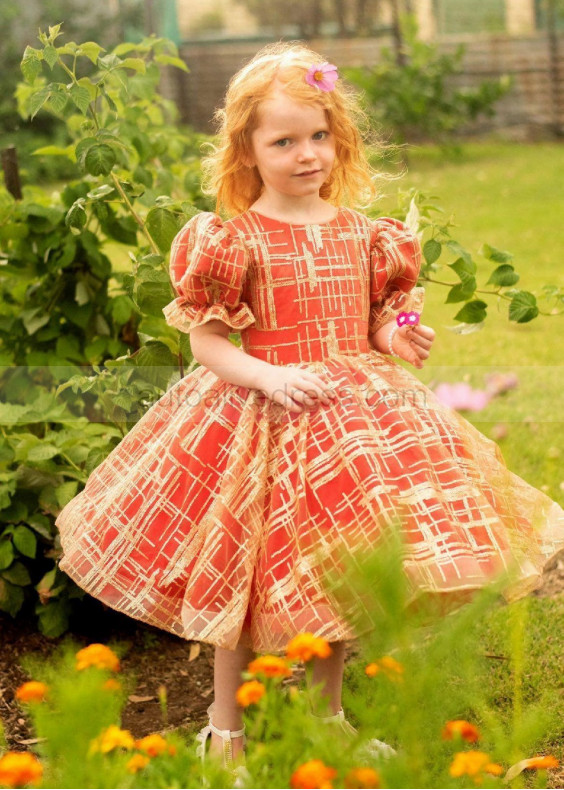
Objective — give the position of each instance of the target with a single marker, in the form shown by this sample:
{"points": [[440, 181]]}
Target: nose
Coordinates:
{"points": [[306, 152]]}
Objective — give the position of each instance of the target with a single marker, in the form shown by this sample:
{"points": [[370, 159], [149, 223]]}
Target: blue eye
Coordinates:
{"points": [[283, 140], [325, 133]]}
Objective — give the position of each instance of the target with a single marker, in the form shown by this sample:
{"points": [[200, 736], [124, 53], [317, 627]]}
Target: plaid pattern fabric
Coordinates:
{"points": [[219, 512]]}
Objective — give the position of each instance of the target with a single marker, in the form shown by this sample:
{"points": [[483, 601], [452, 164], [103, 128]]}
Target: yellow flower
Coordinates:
{"points": [[304, 647], [391, 668], [362, 777], [314, 774], [97, 655], [473, 763], [152, 745], [249, 693], [112, 738], [32, 691], [136, 763], [270, 666], [19, 768], [464, 729]]}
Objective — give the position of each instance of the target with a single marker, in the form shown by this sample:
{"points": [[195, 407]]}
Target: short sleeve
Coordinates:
{"points": [[208, 264], [395, 258]]}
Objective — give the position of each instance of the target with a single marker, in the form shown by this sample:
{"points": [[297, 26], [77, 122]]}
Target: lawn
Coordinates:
{"points": [[509, 196]]}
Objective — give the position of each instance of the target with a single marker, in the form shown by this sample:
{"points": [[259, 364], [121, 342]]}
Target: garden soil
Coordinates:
{"points": [[154, 658]]}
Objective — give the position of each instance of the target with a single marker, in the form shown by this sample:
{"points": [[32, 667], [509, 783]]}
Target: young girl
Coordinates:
{"points": [[213, 517]]}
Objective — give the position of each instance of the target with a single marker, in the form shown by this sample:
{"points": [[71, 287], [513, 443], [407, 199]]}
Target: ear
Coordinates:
{"points": [[249, 160]]}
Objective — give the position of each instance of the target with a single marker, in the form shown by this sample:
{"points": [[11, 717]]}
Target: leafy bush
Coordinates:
{"points": [[414, 99]]}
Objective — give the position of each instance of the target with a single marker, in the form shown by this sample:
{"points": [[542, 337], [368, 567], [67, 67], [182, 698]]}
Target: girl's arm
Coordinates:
{"points": [[293, 388], [212, 348]]}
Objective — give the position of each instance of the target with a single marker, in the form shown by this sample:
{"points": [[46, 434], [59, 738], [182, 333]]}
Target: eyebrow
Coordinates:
{"points": [[281, 135]]}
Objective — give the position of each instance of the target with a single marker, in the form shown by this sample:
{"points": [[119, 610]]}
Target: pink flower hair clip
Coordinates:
{"points": [[322, 76], [411, 318]]}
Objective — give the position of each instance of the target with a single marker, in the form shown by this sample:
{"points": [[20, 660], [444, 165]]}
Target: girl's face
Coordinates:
{"points": [[292, 148]]}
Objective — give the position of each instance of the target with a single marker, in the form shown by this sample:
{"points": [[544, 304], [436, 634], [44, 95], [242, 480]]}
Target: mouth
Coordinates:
{"points": [[307, 173]]}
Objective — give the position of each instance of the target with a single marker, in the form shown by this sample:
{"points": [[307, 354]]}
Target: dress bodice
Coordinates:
{"points": [[296, 292]]}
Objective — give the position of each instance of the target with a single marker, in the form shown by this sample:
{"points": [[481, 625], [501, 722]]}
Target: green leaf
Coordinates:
{"points": [[76, 215], [102, 191], [493, 254], [99, 159], [37, 100], [465, 268], [25, 541], [33, 319], [460, 251], [66, 492], [56, 150], [58, 99], [6, 553], [432, 250], [504, 275], [42, 452], [11, 598], [53, 618], [81, 97], [123, 49], [30, 65], [169, 60], [137, 64], [17, 574], [54, 31], [92, 50], [523, 307], [162, 226], [40, 524], [50, 55], [461, 291], [472, 312]]}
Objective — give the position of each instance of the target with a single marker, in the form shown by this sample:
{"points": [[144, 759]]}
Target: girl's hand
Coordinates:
{"points": [[295, 389], [413, 343]]}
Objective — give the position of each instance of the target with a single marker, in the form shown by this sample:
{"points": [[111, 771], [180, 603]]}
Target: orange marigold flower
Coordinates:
{"points": [[473, 763], [314, 773], [97, 655], [32, 691], [19, 768], [270, 666], [111, 684], [153, 744], [304, 647], [249, 693], [534, 763], [136, 763], [468, 732], [388, 665], [362, 777], [112, 738]]}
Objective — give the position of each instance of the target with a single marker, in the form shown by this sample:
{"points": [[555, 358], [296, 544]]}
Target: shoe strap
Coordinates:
{"points": [[226, 734], [339, 716]]}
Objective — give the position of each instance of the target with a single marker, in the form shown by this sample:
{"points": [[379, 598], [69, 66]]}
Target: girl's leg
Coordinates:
{"points": [[227, 714], [329, 671]]}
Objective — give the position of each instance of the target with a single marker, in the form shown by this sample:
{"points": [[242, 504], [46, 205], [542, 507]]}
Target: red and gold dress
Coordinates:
{"points": [[214, 516]]}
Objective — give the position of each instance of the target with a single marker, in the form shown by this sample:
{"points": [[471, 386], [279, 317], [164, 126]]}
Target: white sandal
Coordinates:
{"points": [[371, 749], [239, 771]]}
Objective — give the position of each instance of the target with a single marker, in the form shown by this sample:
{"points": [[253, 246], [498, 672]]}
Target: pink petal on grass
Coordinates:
{"points": [[462, 397]]}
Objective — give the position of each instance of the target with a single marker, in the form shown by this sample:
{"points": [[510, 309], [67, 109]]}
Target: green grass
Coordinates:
{"points": [[509, 196]]}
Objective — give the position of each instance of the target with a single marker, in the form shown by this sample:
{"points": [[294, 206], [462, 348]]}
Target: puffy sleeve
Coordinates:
{"points": [[395, 258], [208, 264]]}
